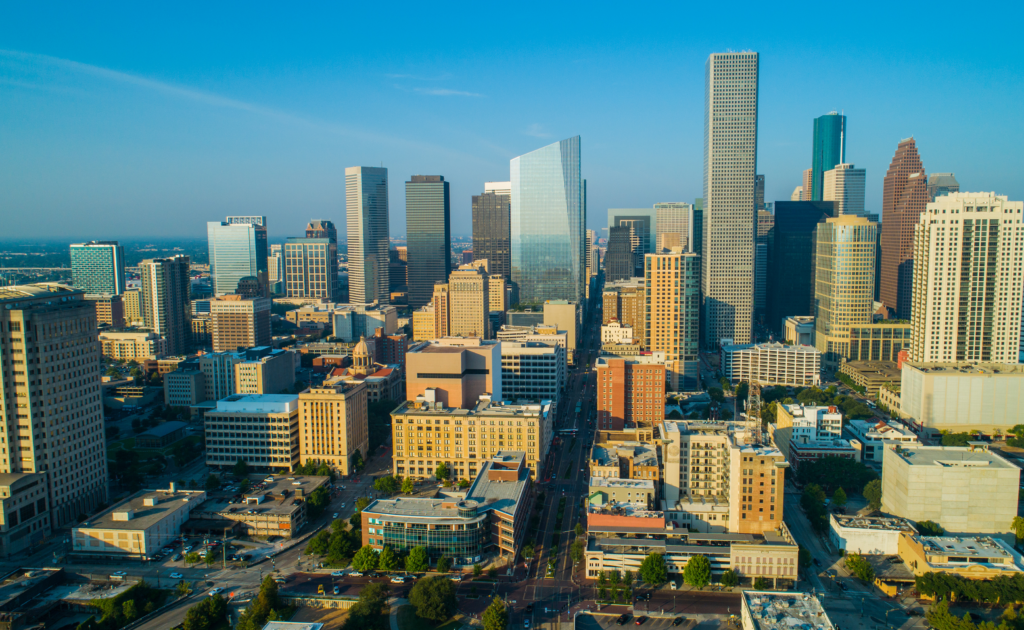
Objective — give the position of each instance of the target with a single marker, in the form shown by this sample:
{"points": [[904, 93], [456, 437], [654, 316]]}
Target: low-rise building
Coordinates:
{"points": [[185, 386], [532, 371], [132, 346], [490, 520], [264, 370], [277, 509], [963, 397], [261, 430], [799, 330], [871, 375], [772, 364], [868, 535], [889, 399], [614, 332], [970, 557], [613, 491], [458, 371], [161, 435], [763, 610], [109, 309], [875, 437], [622, 349], [138, 527], [805, 433], [24, 511]]}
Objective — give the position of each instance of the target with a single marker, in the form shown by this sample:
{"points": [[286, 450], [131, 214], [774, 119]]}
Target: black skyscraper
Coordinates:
{"points": [[619, 260], [791, 259], [428, 235], [492, 232]]}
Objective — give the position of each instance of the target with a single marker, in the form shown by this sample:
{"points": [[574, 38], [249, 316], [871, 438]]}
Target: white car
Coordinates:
{"points": [[337, 574], [119, 573], [216, 591], [342, 505], [456, 578], [356, 574], [188, 549], [176, 576], [335, 515], [398, 579]]}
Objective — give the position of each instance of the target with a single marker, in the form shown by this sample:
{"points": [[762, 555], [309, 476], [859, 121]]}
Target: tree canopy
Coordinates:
{"points": [[388, 560], [365, 559], [835, 472], [873, 493], [653, 570], [434, 598], [386, 485], [418, 561], [496, 616], [371, 611], [697, 572]]}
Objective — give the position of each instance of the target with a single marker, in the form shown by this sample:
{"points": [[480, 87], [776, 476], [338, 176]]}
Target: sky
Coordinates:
{"points": [[122, 120]]}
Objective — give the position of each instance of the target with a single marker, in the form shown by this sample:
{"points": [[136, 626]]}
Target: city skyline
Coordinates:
{"points": [[219, 131]]}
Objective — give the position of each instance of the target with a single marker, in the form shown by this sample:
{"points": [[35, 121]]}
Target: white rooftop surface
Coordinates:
{"points": [[259, 403], [950, 456], [613, 482], [786, 611]]}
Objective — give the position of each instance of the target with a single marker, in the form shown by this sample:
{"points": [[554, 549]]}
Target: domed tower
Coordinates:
{"points": [[361, 362]]}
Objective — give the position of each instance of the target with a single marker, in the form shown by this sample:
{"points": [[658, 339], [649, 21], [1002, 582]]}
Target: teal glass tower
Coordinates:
{"points": [[428, 236], [233, 254], [829, 149], [97, 267], [547, 220]]}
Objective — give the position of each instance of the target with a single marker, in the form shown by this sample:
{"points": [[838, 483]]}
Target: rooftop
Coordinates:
{"points": [[951, 456], [882, 523], [258, 403], [785, 611], [15, 583], [972, 549], [143, 516], [614, 482], [166, 428], [279, 496], [32, 291], [776, 346], [955, 369], [484, 408], [292, 625]]}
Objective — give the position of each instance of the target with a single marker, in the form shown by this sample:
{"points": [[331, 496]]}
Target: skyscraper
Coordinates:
{"points": [[805, 190], [845, 186], [844, 282], [491, 227], [673, 311], [588, 253], [311, 269], [428, 234], [759, 192], [237, 250], [730, 164], [366, 208], [940, 184], [547, 223], [239, 322], [968, 280], [166, 301], [469, 302], [618, 261], [829, 149], [320, 228], [904, 197], [52, 419], [674, 223], [765, 223], [791, 260], [97, 267]]}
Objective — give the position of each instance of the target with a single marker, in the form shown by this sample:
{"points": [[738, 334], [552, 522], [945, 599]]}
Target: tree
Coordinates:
{"points": [[579, 529], [761, 584], [716, 394], [1017, 524], [835, 472], [434, 598], [209, 613], [442, 473], [386, 485], [317, 501], [361, 503], [388, 560], [839, 497], [576, 551], [408, 487], [698, 571], [418, 561], [317, 545], [653, 570], [873, 493], [357, 460], [183, 588], [615, 577], [444, 565], [528, 551], [730, 579], [210, 558], [477, 570], [602, 578], [241, 468], [212, 482], [930, 528], [365, 559], [463, 483], [627, 578], [192, 557], [804, 558], [496, 616], [860, 568], [370, 612], [129, 610]]}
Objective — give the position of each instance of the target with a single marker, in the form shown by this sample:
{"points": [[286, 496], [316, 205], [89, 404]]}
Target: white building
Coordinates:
{"points": [[351, 322], [532, 371], [772, 364], [868, 535], [764, 610], [614, 332], [269, 424], [968, 279], [962, 397], [799, 330], [877, 436], [844, 185]]}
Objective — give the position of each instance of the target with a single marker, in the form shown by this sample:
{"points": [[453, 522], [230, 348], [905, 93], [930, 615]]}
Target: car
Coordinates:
{"points": [[677, 621], [529, 608], [843, 585], [178, 556], [356, 574], [397, 579], [455, 578], [342, 505], [640, 620], [279, 580], [119, 573], [188, 549], [817, 562], [176, 576], [337, 573], [526, 622], [621, 621], [337, 589], [335, 515], [215, 591]]}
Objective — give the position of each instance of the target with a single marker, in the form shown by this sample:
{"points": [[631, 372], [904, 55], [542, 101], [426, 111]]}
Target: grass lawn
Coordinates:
{"points": [[409, 620]]}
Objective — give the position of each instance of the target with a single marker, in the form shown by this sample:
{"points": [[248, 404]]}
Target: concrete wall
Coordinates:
{"points": [[963, 402]]}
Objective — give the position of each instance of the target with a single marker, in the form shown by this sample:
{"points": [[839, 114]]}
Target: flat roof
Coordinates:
{"points": [[483, 409], [613, 482], [276, 502], [501, 496], [882, 523], [975, 548], [37, 290], [258, 403], [144, 516], [965, 369], [785, 611], [15, 583], [165, 428], [951, 456]]}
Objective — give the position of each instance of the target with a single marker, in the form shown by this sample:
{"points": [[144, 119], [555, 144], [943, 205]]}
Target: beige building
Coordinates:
{"points": [[427, 433], [565, 316], [468, 303], [423, 328], [799, 330], [279, 509], [383, 382], [606, 490], [109, 309], [844, 282], [333, 424], [772, 364], [844, 186], [24, 511], [132, 300], [456, 371], [614, 332], [673, 310], [132, 346], [49, 378], [966, 490], [968, 280], [272, 372], [185, 387], [969, 557], [626, 302], [963, 397], [239, 322], [262, 430], [138, 527]]}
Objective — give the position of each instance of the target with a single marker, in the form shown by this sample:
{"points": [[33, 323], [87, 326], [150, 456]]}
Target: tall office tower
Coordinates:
{"points": [[333, 424], [845, 186], [547, 223], [497, 287], [730, 163], [441, 304], [469, 303], [759, 192], [798, 194], [403, 253], [321, 228], [968, 280], [904, 197], [239, 322], [674, 224], [829, 149], [618, 262], [366, 208], [844, 282], [310, 268], [940, 184], [237, 250], [166, 301], [698, 227], [259, 224], [807, 193], [673, 310], [765, 223], [492, 227], [588, 253], [791, 260], [644, 224], [275, 267], [97, 267], [51, 404], [428, 230]]}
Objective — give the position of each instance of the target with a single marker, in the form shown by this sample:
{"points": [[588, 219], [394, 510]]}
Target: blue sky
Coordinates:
{"points": [[138, 119]]}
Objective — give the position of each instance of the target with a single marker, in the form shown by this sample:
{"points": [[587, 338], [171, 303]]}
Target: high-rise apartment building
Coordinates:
{"points": [[311, 268], [629, 393], [588, 253], [904, 197], [619, 261], [940, 184], [730, 164], [791, 260], [968, 280], [844, 282], [469, 303], [808, 183], [442, 308], [428, 234], [97, 267], [238, 249], [333, 425], [133, 306], [547, 219], [366, 209], [109, 309], [166, 301], [673, 311], [844, 185], [239, 322], [51, 405], [674, 226], [829, 149], [492, 228]]}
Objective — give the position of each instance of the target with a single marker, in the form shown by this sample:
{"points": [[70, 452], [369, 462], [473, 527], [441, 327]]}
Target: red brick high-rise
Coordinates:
{"points": [[629, 393], [904, 198]]}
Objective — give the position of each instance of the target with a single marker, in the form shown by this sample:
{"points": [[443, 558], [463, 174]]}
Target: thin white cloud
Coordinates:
{"points": [[444, 92], [416, 77], [537, 131]]}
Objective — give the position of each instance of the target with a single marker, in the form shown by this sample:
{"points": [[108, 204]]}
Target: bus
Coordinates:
{"points": [[579, 407]]}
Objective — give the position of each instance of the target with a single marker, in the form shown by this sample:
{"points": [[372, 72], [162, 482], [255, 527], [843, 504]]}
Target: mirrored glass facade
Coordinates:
{"points": [[428, 236], [232, 248], [366, 211], [98, 267]]}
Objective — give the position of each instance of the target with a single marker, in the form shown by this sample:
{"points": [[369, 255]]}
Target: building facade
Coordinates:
{"points": [[844, 186], [828, 149], [673, 310], [456, 371], [629, 393], [791, 259], [333, 425], [261, 430], [428, 234], [239, 322], [492, 227], [237, 250], [468, 301], [963, 397], [166, 301], [532, 371], [904, 197], [132, 346], [366, 210], [772, 364], [310, 268], [97, 267]]}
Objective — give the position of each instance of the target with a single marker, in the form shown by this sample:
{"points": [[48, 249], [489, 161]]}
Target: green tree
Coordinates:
{"points": [[496, 616], [576, 551], [417, 561], [365, 559], [442, 473], [477, 570], [528, 551], [839, 497], [318, 501], [730, 579], [183, 588], [129, 610], [697, 572], [602, 578], [653, 570], [860, 568], [112, 372], [386, 485], [434, 598], [1017, 524], [357, 460], [210, 558], [761, 584], [813, 503], [371, 611], [388, 560], [716, 394], [579, 530], [408, 487], [615, 577], [211, 612], [192, 558], [463, 483], [317, 545], [930, 528], [627, 578], [262, 608], [361, 503], [444, 565], [804, 558], [241, 468], [212, 482], [873, 493]]}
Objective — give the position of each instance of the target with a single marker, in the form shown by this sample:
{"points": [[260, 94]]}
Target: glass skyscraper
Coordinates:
{"points": [[235, 253], [428, 236], [366, 209], [97, 267], [547, 221], [829, 149]]}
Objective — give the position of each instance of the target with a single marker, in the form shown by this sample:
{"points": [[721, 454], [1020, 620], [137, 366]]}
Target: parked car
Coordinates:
{"points": [[216, 591], [177, 556], [621, 621], [677, 621], [337, 573], [335, 515], [337, 589], [640, 620], [397, 579], [356, 574], [455, 578], [526, 622], [176, 576]]}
